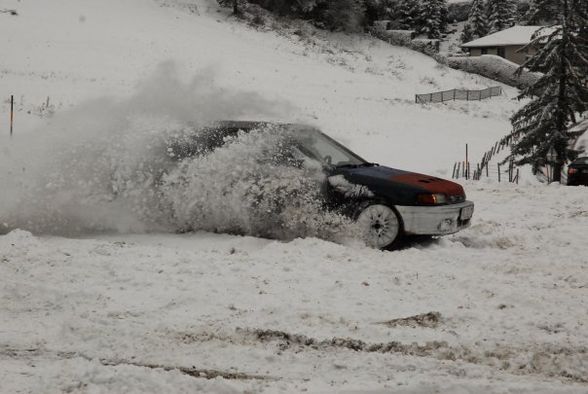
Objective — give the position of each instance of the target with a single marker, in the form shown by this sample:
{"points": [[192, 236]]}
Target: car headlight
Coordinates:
{"points": [[432, 199]]}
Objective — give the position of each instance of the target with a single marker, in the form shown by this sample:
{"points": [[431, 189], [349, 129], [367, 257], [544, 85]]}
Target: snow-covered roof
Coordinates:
{"points": [[516, 35]]}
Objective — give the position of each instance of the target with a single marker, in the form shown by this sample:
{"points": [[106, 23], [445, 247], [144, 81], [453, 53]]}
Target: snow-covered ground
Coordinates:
{"points": [[504, 302], [110, 313]]}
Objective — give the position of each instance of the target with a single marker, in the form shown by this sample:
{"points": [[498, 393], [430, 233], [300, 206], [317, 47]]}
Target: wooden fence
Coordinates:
{"points": [[458, 94], [505, 172]]}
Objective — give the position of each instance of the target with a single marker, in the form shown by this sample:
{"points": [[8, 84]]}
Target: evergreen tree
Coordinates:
{"points": [[467, 34], [408, 14], [477, 19], [288, 7], [346, 15], [433, 18], [444, 11], [560, 94], [527, 18], [390, 8], [502, 14], [540, 12], [380, 9], [231, 3]]}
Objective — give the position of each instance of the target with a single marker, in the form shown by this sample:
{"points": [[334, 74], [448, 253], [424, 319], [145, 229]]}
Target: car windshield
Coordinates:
{"points": [[582, 160], [320, 147]]}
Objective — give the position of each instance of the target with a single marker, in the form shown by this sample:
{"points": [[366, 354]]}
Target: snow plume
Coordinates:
{"points": [[256, 184], [93, 168], [348, 189], [105, 166]]}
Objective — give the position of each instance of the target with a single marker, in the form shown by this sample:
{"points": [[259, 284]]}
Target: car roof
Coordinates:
{"points": [[241, 124], [253, 124]]}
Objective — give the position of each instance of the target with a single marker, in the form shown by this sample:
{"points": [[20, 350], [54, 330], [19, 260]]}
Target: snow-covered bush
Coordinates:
{"points": [[345, 15], [493, 67]]}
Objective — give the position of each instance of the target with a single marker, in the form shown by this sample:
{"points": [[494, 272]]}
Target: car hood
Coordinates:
{"points": [[400, 187]]}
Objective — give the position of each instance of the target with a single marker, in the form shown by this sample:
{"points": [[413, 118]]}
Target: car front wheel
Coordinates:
{"points": [[379, 225]]}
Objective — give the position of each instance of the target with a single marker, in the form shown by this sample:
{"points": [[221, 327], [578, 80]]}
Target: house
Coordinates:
{"points": [[510, 44]]}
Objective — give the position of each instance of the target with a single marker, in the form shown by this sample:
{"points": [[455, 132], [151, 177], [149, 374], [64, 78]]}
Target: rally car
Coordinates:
{"points": [[387, 204]]}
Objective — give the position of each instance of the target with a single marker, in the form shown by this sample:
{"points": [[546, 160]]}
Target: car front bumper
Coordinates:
{"points": [[436, 220]]}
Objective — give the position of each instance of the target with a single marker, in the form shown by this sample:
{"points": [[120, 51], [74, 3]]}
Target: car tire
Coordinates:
{"points": [[379, 225]]}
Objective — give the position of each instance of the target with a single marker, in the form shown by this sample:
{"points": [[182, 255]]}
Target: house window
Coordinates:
{"points": [[501, 52], [484, 51]]}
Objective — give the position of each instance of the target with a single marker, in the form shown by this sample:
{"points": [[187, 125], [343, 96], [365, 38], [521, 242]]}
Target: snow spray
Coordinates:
{"points": [[103, 166]]}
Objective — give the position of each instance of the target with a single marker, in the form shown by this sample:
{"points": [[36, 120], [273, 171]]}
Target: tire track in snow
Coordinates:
{"points": [[564, 363], [201, 373]]}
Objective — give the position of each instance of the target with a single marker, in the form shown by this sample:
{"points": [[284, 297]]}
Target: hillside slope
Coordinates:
{"points": [[359, 90]]}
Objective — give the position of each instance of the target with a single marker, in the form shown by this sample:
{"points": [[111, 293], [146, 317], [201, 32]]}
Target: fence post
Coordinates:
{"points": [[486, 170], [453, 173], [416, 98], [11, 113], [517, 178], [458, 168], [467, 163], [498, 164]]}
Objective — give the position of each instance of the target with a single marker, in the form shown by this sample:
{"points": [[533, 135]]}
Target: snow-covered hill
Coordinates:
{"points": [[354, 87], [160, 312]]}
